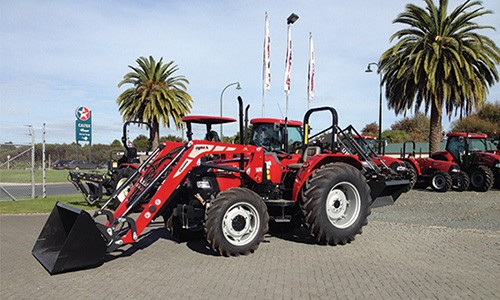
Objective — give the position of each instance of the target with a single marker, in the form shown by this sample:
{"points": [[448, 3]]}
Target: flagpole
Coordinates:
{"points": [[288, 66]]}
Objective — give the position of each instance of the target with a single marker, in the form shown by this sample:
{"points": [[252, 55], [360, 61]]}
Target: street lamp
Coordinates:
{"points": [[369, 70], [238, 87]]}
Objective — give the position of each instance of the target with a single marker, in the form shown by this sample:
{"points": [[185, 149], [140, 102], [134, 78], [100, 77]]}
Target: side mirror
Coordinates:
{"points": [[276, 126]]}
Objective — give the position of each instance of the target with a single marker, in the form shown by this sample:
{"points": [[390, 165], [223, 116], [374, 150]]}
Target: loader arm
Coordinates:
{"points": [[171, 174]]}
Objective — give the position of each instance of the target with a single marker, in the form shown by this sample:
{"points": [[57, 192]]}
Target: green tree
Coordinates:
{"points": [[486, 120], [417, 127], [439, 61], [370, 129], [491, 112], [170, 138], [156, 96], [395, 136]]}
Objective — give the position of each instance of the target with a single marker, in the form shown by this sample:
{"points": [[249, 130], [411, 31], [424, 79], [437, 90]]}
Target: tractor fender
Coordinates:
{"points": [[315, 162]]}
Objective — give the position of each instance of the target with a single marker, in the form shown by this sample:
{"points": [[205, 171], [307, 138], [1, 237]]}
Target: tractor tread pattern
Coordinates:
{"points": [[312, 204], [213, 221]]}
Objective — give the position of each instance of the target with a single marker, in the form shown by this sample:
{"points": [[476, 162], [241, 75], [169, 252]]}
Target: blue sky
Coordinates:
{"points": [[58, 55]]}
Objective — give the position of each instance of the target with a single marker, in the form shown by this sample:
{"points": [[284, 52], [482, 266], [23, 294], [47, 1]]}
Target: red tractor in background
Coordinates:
{"points": [[369, 142], [476, 155], [230, 191], [440, 175]]}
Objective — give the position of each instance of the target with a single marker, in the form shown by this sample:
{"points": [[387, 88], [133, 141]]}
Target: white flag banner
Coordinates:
{"points": [[288, 60], [267, 57], [310, 75]]}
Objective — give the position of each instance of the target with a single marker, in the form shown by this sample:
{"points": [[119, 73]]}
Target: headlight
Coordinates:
{"points": [[204, 184]]}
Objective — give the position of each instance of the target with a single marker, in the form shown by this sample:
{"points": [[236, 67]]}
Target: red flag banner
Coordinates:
{"points": [[310, 75], [288, 60], [267, 58]]}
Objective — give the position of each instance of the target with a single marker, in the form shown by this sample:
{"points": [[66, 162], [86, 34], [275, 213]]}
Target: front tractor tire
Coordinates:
{"points": [[441, 181], [236, 222], [336, 203]]}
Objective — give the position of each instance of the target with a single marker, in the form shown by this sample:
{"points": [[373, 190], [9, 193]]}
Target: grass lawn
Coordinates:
{"points": [[24, 176], [41, 205]]}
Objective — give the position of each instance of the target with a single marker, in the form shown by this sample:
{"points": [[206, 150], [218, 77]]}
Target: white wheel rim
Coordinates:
{"points": [[438, 182], [121, 196], [343, 204], [240, 223]]}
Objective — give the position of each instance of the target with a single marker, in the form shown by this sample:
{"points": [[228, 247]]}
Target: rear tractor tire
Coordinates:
{"points": [[119, 179], [336, 203], [236, 222], [461, 182], [441, 181], [481, 178]]}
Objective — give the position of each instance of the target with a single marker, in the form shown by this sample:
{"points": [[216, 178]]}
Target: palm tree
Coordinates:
{"points": [[439, 61], [156, 96]]}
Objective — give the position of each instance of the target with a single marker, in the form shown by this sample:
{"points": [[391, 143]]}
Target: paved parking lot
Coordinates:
{"points": [[428, 245]]}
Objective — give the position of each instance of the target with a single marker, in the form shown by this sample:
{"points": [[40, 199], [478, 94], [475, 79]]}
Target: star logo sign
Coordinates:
{"points": [[83, 113]]}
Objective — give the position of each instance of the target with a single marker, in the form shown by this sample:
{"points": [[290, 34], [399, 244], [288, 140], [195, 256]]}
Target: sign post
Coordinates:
{"points": [[83, 127]]}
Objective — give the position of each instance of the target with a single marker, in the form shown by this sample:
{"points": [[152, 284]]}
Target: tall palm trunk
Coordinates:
{"points": [[156, 134], [436, 128]]}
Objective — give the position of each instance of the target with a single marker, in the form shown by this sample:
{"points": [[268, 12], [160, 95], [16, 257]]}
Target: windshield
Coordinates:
{"points": [[266, 136], [480, 145]]}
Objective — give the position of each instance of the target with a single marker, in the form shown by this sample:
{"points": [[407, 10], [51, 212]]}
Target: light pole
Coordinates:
{"points": [[369, 70], [238, 87]]}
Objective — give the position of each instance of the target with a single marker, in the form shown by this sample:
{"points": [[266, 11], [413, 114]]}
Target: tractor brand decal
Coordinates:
{"points": [[258, 170], [219, 148], [183, 167], [198, 149], [231, 149]]}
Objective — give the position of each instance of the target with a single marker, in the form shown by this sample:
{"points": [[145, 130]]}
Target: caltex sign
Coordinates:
{"points": [[83, 124]]}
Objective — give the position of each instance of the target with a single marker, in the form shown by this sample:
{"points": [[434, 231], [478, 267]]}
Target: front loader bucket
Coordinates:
{"points": [[386, 192], [69, 241]]}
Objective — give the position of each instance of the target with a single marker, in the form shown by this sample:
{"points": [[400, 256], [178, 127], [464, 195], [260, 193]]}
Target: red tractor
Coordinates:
{"points": [[229, 191], [368, 143], [476, 155], [440, 175]]}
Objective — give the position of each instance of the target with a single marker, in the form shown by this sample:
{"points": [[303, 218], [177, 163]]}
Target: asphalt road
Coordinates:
{"points": [[426, 246]]}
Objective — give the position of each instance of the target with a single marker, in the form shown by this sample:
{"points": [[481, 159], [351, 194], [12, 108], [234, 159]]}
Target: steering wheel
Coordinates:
{"points": [[295, 146]]}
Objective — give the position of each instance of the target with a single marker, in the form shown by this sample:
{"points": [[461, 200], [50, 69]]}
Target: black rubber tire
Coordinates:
{"points": [[121, 175], [441, 181], [228, 213], [461, 182], [325, 198], [412, 176], [481, 178]]}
